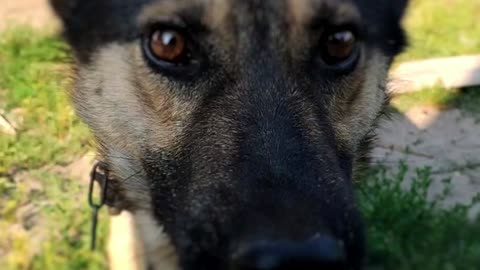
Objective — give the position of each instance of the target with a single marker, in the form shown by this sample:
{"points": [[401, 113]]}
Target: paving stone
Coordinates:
{"points": [[447, 141], [452, 72]]}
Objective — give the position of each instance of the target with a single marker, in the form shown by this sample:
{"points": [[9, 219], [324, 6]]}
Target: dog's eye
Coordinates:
{"points": [[172, 50], [168, 45], [338, 47]]}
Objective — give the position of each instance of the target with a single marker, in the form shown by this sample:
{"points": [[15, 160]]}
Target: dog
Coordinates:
{"points": [[233, 129]]}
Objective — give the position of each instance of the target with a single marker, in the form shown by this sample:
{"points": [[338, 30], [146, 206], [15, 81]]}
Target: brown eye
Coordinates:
{"points": [[339, 47], [168, 45]]}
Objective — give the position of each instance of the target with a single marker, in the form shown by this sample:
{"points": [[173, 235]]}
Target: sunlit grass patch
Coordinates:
{"points": [[436, 96], [440, 28], [33, 76], [55, 235], [44, 217], [467, 99]]}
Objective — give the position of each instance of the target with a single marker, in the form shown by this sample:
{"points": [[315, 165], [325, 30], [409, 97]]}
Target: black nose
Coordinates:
{"points": [[322, 253]]}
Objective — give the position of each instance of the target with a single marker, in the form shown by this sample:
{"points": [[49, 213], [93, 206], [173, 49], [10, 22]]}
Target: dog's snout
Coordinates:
{"points": [[324, 253]]}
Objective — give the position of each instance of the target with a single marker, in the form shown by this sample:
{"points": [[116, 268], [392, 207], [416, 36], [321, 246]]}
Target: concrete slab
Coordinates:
{"points": [[446, 141], [451, 72]]}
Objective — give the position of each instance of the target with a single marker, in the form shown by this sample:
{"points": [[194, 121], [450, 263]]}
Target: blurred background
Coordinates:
{"points": [[420, 199]]}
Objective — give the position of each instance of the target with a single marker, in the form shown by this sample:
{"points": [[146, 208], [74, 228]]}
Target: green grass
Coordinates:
{"points": [[32, 83], [33, 73], [467, 100], [63, 226], [438, 28], [406, 231], [442, 28]]}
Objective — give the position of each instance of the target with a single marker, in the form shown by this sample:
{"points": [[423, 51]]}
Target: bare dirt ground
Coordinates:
{"points": [[36, 13]]}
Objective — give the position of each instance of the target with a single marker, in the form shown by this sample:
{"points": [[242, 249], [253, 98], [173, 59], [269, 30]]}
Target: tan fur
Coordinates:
{"points": [[125, 251], [215, 15], [354, 119], [134, 238], [302, 11], [118, 131], [156, 244]]}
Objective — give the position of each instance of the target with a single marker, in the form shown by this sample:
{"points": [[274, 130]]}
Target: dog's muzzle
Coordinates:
{"points": [[323, 252]]}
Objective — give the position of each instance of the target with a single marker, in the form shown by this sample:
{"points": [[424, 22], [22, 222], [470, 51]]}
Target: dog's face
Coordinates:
{"points": [[233, 127]]}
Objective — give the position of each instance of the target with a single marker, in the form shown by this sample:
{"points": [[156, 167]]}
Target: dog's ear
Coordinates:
{"points": [[77, 15], [397, 38], [80, 19], [64, 8], [398, 8], [89, 24], [384, 20]]}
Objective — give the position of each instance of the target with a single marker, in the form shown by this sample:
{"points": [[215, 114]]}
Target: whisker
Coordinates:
{"points": [[112, 157], [130, 177]]}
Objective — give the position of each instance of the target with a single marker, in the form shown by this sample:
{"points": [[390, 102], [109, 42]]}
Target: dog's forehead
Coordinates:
{"points": [[91, 24], [212, 12]]}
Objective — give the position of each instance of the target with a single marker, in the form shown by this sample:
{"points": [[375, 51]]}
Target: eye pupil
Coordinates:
{"points": [[339, 46], [168, 45]]}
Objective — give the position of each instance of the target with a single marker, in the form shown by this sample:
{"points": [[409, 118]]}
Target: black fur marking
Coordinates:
{"points": [[89, 24]]}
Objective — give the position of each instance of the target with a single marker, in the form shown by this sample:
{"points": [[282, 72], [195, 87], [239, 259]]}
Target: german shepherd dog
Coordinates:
{"points": [[233, 128]]}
